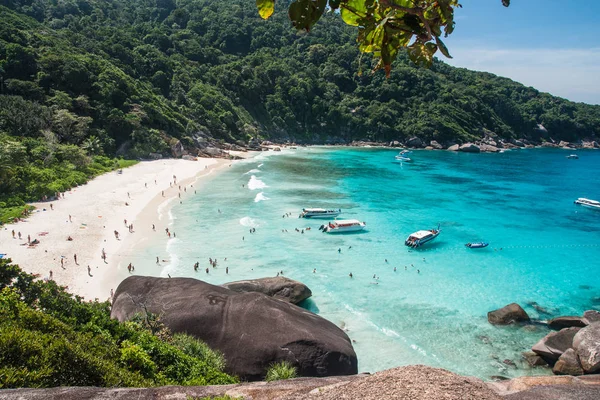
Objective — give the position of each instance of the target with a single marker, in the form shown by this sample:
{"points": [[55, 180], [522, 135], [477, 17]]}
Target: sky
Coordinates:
{"points": [[552, 45]]}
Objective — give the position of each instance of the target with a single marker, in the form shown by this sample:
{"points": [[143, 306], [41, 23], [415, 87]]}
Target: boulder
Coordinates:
{"points": [[395, 143], [252, 330], [488, 148], [591, 316], [508, 315], [568, 364], [566, 322], [435, 145], [177, 149], [587, 346], [279, 288], [533, 359], [414, 142], [518, 142], [554, 344], [562, 143], [454, 147], [469, 148]]}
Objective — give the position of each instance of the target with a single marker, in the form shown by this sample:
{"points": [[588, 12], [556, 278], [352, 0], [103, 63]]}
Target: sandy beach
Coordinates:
{"points": [[92, 214]]}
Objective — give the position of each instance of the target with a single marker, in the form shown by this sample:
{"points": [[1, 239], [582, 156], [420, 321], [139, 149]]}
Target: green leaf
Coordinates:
{"points": [[353, 12], [442, 47], [305, 13], [265, 8]]}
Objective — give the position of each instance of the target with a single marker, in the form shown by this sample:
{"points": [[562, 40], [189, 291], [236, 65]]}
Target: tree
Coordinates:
{"points": [[384, 26]]}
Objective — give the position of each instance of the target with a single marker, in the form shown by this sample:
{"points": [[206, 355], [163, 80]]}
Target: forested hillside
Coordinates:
{"points": [[84, 78]]}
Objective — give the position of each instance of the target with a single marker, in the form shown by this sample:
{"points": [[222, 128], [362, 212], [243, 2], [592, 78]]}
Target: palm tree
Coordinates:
{"points": [[91, 145]]}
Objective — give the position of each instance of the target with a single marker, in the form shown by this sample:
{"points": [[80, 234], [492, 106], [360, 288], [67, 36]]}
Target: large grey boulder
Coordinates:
{"points": [[469, 148], [252, 330], [508, 315], [414, 142], [436, 145], [554, 344], [280, 288], [566, 322], [568, 364], [454, 147], [591, 316], [587, 345]]}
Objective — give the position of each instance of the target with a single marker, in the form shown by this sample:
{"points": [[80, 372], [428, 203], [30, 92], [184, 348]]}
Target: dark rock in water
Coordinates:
{"points": [[568, 364], [533, 359], [585, 287], [508, 315], [415, 142], [553, 345], [499, 378], [252, 330], [280, 288], [566, 322], [587, 345], [469, 148], [591, 316], [539, 308], [510, 363]]}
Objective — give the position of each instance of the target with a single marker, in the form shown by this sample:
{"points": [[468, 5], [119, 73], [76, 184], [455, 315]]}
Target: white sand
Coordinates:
{"points": [[97, 209]]}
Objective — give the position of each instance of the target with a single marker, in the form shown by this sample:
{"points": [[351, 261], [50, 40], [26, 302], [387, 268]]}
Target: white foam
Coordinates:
{"points": [[260, 197], [249, 222], [255, 183], [260, 165], [162, 207], [253, 171]]}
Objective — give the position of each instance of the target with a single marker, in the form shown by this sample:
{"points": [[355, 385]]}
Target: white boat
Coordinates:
{"points": [[419, 238], [319, 213], [573, 156], [588, 203], [343, 226], [402, 156]]}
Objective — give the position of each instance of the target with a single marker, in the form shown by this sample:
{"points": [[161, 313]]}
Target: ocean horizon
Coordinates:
{"points": [[404, 306]]}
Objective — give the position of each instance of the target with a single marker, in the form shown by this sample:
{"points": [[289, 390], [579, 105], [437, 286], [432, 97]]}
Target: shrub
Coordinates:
{"points": [[279, 371]]}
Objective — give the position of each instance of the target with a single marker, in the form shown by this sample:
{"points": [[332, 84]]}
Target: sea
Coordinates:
{"points": [[405, 306]]}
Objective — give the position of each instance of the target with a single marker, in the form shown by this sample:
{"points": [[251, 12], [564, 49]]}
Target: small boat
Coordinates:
{"points": [[573, 156], [419, 238], [402, 156], [588, 203], [319, 213], [478, 245], [343, 226]]}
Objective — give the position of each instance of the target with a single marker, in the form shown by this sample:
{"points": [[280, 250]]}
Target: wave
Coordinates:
{"points": [[249, 222], [260, 197], [162, 207], [260, 165], [253, 171], [255, 183]]}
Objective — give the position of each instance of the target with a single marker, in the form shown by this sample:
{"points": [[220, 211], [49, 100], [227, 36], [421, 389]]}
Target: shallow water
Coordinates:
{"points": [[432, 309]]}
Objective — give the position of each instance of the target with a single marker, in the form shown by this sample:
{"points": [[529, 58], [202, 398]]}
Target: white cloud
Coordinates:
{"points": [[570, 73]]}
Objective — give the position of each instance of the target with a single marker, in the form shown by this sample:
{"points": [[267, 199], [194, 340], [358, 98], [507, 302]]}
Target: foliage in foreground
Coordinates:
{"points": [[281, 370], [50, 338]]}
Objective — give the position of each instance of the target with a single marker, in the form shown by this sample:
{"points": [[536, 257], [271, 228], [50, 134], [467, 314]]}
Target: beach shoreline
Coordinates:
{"points": [[91, 214]]}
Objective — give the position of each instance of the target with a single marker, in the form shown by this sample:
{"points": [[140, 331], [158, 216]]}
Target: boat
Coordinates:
{"points": [[319, 213], [573, 156], [402, 156], [588, 203], [419, 238], [343, 226], [478, 245]]}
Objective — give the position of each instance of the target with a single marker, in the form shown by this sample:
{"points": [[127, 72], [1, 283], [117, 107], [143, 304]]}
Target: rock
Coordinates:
{"points": [[155, 156], [189, 158], [252, 330], [454, 147], [587, 346], [488, 148], [414, 142], [428, 148], [533, 359], [596, 144], [591, 316], [508, 315], [280, 288], [435, 145], [469, 148], [395, 143], [518, 142], [562, 143], [568, 364], [177, 149], [548, 144], [566, 322], [554, 344]]}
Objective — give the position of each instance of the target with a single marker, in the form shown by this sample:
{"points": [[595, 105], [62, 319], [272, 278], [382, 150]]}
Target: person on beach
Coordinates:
{"points": [[153, 228], [163, 193], [207, 270], [157, 260], [174, 235], [112, 293], [51, 207], [89, 271], [19, 235], [28, 238], [196, 265], [351, 275], [226, 270], [394, 269], [116, 235], [75, 258], [103, 255], [13, 233], [125, 222], [169, 233], [340, 250], [167, 230], [62, 262], [69, 217], [69, 238]]}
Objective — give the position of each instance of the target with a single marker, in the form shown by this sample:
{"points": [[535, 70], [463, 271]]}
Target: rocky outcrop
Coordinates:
{"points": [[488, 148], [469, 148], [533, 359], [566, 322], [591, 316], [177, 149], [454, 147], [587, 345], [568, 364], [252, 330], [280, 288], [415, 142], [553, 345], [395, 143], [507, 315], [436, 145]]}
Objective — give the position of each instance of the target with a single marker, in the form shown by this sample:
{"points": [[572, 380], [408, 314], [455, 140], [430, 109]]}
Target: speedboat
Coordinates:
{"points": [[588, 203], [319, 213], [343, 226], [573, 156], [402, 156], [478, 245], [419, 238]]}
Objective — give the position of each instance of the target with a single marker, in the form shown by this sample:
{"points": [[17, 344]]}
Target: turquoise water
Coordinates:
{"points": [[432, 309]]}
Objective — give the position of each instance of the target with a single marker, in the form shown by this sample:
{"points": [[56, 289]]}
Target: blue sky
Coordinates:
{"points": [[552, 45]]}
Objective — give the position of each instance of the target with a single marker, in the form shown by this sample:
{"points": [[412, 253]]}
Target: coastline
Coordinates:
{"points": [[90, 214]]}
